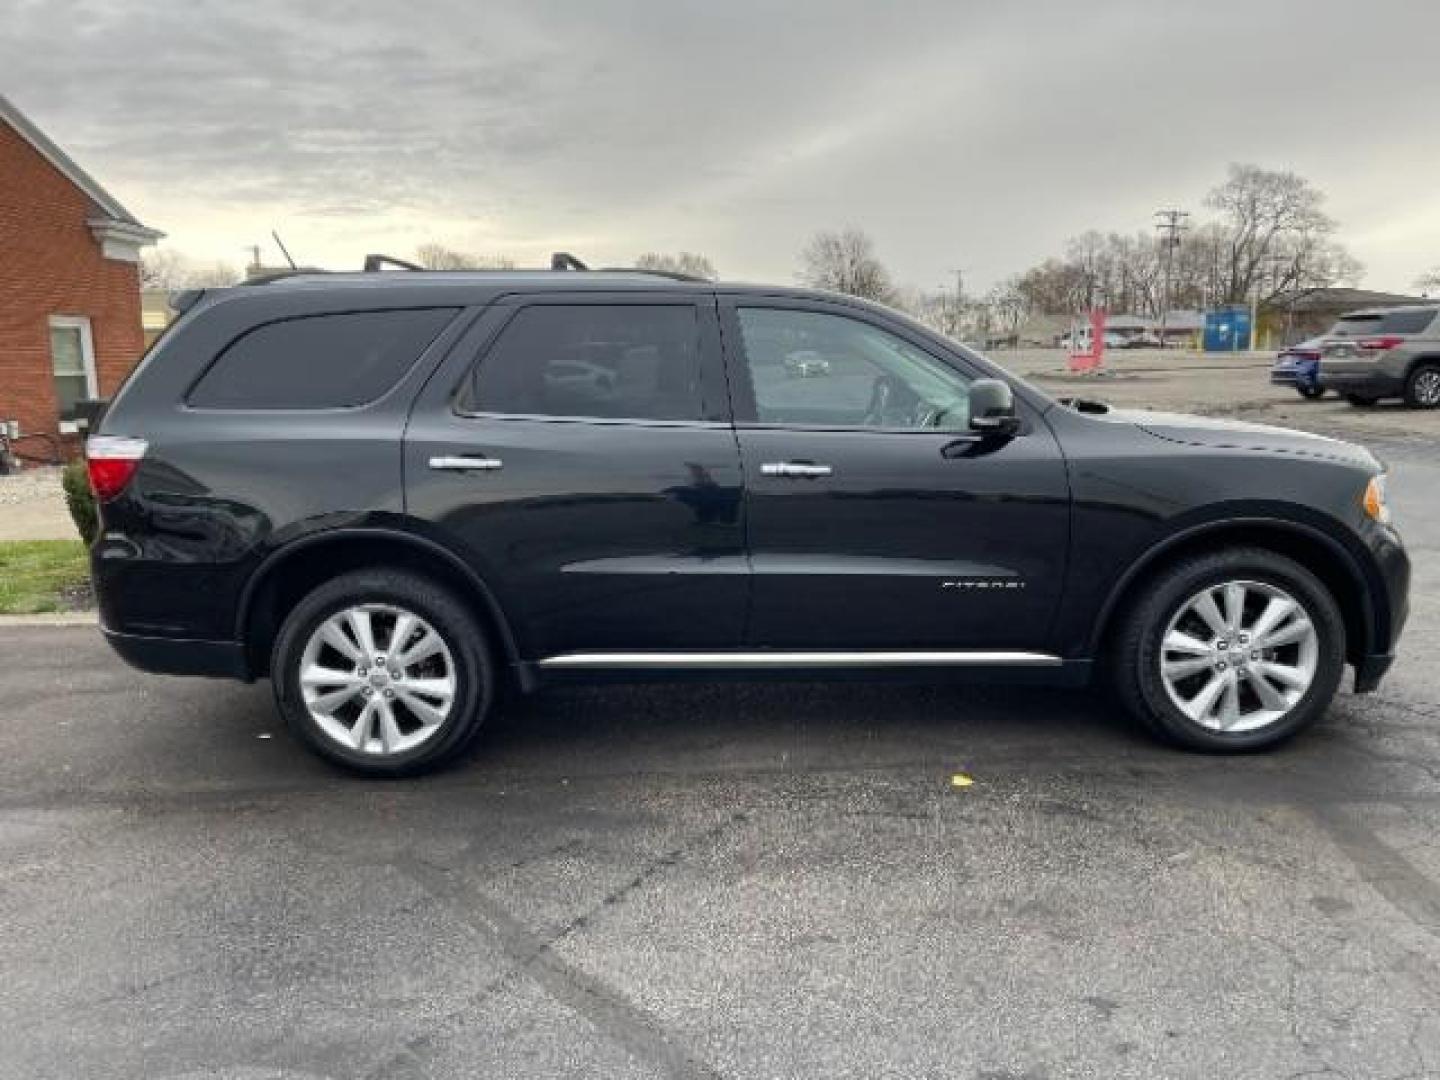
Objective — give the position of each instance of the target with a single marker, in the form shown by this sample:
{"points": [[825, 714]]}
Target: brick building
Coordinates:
{"points": [[70, 324]]}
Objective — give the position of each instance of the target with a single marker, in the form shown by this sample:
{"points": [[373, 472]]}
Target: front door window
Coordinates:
{"points": [[809, 368]]}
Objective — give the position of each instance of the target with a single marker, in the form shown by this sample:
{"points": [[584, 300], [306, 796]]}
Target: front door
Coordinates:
{"points": [[578, 450], [875, 520]]}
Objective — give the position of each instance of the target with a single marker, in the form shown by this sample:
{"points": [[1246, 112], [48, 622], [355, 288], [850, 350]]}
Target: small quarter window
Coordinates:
{"points": [[616, 361], [319, 361]]}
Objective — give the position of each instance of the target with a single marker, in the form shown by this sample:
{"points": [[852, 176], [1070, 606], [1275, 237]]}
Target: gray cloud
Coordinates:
{"points": [[961, 134]]}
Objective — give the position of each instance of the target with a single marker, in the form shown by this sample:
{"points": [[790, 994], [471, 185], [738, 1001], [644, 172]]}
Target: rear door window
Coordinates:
{"points": [[319, 361], [604, 361]]}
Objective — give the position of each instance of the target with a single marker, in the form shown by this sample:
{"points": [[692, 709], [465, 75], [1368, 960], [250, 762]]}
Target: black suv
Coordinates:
{"points": [[396, 494]]}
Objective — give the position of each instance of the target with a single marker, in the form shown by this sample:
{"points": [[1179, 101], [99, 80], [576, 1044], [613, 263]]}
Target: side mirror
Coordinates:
{"points": [[992, 408]]}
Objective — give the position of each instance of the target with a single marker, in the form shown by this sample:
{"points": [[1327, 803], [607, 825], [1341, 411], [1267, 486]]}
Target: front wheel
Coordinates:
{"points": [[383, 672], [1310, 392], [1236, 650]]}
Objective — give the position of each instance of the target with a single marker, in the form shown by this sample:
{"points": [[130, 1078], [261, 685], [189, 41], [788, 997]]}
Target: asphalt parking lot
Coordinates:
{"points": [[721, 880]]}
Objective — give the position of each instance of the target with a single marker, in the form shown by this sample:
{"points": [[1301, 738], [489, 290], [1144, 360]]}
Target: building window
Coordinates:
{"points": [[72, 357]]}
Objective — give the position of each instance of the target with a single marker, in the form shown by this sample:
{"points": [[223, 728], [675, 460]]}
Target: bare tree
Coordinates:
{"points": [[439, 257], [945, 310], [1055, 287], [685, 262], [168, 269], [1271, 218], [1270, 238], [1428, 282], [846, 262], [1006, 302]]}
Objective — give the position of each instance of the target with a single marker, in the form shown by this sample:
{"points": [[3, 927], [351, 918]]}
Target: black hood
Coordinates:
{"points": [[1239, 435]]}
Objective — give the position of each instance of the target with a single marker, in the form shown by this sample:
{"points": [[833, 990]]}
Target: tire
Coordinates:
{"points": [[430, 725], [1422, 388], [1311, 393], [1164, 608], [1360, 401]]}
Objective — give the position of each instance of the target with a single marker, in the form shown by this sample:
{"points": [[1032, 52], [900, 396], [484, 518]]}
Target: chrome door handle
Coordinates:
{"points": [[465, 463], [797, 469]]}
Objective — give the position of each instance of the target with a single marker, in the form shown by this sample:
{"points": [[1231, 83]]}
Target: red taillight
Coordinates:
{"points": [[112, 461], [1385, 341]]}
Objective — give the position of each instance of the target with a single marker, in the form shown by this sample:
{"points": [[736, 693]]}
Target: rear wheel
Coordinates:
{"points": [[1235, 650], [383, 672], [1422, 388]]}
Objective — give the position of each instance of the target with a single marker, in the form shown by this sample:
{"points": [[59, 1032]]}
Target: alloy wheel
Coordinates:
{"points": [[378, 679], [1427, 388], [1239, 655]]}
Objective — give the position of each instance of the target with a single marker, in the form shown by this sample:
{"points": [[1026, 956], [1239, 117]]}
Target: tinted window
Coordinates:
{"points": [[627, 361], [1389, 322], [808, 367], [319, 362]]}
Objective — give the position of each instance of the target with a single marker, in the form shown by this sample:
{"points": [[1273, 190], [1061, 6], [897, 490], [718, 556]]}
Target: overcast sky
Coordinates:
{"points": [[962, 135]]}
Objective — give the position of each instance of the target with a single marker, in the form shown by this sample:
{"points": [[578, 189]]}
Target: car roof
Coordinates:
{"points": [[466, 287]]}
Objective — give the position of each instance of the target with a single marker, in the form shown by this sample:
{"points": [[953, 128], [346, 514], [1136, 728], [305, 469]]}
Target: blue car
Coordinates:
{"points": [[1298, 367]]}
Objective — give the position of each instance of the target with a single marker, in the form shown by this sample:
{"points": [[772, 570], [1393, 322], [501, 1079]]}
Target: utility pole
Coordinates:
{"points": [[1171, 224], [1275, 263], [959, 312]]}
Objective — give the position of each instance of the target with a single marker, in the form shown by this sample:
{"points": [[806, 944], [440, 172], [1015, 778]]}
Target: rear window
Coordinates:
{"points": [[627, 361], [319, 361], [1384, 322]]}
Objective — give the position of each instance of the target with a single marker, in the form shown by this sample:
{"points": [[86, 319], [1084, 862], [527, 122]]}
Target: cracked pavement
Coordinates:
{"points": [[720, 880]]}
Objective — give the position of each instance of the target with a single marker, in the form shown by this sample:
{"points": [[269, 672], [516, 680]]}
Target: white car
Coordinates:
{"points": [[1112, 340], [806, 364]]}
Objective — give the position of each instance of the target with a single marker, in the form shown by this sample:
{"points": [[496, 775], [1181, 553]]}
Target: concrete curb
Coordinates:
{"points": [[66, 618]]}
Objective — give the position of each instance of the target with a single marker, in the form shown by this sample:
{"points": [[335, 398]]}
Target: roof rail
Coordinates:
{"points": [[281, 275], [673, 275], [377, 263], [560, 261]]}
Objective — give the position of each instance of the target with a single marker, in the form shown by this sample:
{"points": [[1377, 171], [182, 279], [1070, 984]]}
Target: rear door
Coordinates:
{"points": [[578, 448]]}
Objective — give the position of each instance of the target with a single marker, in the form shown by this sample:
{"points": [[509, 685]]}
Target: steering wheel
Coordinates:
{"points": [[890, 396]]}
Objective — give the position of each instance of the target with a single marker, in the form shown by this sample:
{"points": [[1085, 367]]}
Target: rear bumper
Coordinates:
{"points": [[1296, 376], [181, 656]]}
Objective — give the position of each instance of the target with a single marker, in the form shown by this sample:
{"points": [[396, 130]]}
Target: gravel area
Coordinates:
{"points": [[32, 506]]}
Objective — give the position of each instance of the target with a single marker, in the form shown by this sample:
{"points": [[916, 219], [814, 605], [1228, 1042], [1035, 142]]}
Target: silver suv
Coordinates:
{"points": [[1384, 353]]}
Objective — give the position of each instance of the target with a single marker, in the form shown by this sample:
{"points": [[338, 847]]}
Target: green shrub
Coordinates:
{"points": [[81, 500]]}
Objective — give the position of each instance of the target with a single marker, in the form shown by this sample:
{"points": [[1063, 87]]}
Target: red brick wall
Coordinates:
{"points": [[50, 264]]}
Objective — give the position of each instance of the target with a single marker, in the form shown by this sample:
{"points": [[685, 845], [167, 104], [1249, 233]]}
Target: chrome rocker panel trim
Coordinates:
{"points": [[775, 658]]}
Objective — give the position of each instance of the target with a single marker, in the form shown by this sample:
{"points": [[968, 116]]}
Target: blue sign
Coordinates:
{"points": [[1227, 329]]}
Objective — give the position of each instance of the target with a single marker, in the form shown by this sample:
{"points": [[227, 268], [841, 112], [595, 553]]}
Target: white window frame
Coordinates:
{"points": [[87, 354]]}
